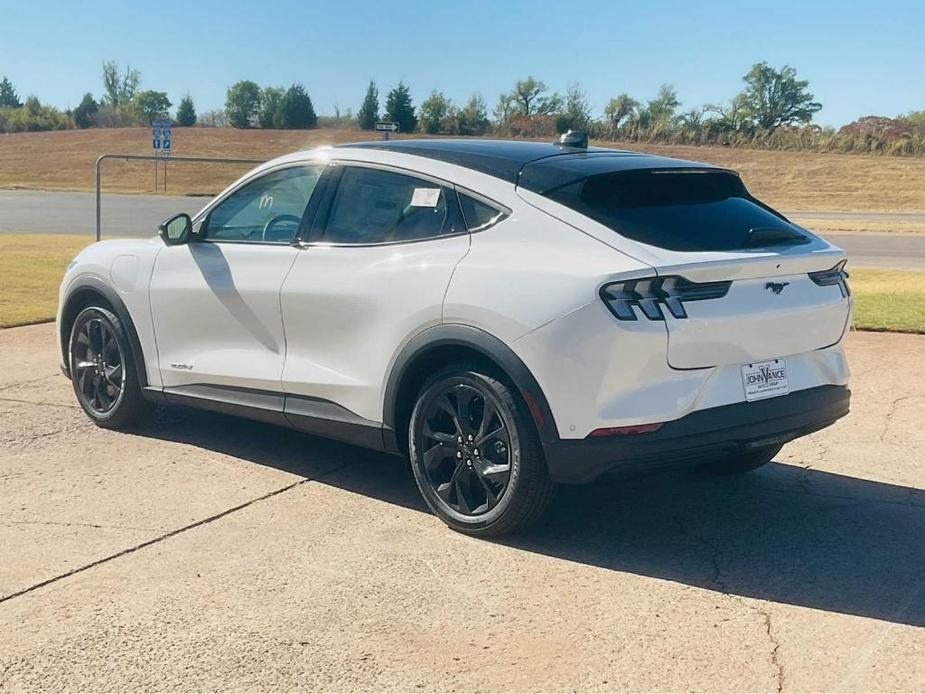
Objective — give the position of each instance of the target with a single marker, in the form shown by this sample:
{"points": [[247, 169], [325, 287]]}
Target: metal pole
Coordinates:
{"points": [[99, 163], [155, 175], [165, 174]]}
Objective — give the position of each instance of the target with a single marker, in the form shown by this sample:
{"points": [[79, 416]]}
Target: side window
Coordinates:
{"points": [[268, 209], [375, 206], [479, 215]]}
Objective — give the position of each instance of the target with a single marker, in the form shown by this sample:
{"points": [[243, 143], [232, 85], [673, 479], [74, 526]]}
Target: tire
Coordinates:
{"points": [[742, 462], [103, 373], [476, 455]]}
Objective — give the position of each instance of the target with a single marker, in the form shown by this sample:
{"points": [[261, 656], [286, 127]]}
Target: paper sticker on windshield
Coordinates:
{"points": [[425, 197]]}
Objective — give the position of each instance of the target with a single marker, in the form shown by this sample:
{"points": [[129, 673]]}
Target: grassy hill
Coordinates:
{"points": [[787, 180]]}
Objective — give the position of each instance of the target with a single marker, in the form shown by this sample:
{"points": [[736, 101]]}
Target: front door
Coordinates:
{"points": [[215, 301]]}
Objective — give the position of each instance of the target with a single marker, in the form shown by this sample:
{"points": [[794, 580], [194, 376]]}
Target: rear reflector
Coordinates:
{"points": [[623, 431]]}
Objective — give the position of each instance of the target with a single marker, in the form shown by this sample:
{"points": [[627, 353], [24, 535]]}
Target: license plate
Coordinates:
{"points": [[765, 379]]}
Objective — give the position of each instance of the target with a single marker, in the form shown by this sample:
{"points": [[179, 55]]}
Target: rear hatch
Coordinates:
{"points": [[735, 281]]}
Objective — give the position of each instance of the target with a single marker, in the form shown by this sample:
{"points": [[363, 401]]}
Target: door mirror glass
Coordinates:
{"points": [[176, 230]]}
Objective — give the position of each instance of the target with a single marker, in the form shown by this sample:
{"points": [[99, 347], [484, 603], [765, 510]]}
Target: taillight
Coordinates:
{"points": [[836, 275], [650, 294]]}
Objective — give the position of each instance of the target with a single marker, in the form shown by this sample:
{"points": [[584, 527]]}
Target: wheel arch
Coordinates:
{"points": [[84, 292], [441, 345]]}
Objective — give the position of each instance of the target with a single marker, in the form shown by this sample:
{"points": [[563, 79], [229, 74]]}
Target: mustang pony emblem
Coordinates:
{"points": [[776, 287]]}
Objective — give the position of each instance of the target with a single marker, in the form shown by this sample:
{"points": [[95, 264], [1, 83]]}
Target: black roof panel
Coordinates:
{"points": [[550, 164]]}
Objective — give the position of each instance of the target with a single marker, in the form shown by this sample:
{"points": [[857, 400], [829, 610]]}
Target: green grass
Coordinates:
{"points": [[31, 266], [891, 300]]}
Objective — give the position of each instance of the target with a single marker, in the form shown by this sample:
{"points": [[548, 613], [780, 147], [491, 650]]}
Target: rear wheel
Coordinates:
{"points": [[742, 462], [103, 370], [476, 455]]}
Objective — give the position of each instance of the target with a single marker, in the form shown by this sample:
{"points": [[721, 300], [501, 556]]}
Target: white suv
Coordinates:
{"points": [[510, 315]]}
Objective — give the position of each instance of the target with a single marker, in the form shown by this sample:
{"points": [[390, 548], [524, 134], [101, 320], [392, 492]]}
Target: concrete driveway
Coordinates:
{"points": [[205, 552]]}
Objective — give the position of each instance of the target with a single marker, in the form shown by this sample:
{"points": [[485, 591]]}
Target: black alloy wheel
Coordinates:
{"points": [[475, 453], [466, 449], [102, 370], [98, 366]]}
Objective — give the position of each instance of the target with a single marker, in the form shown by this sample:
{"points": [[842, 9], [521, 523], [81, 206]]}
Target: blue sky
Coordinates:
{"points": [[860, 58]]}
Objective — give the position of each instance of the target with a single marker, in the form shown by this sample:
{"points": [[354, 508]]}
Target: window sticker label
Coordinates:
{"points": [[425, 197]]}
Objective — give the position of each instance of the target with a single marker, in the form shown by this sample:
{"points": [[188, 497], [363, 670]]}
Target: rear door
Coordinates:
{"points": [[374, 272], [783, 290]]}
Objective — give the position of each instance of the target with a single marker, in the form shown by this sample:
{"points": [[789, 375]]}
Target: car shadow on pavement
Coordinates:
{"points": [[783, 533]]}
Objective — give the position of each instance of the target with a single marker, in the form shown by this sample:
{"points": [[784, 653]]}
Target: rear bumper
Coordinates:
{"points": [[700, 436]]}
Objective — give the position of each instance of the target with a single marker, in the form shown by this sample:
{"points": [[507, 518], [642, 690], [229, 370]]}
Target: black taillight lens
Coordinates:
{"points": [[833, 276], [651, 294]]}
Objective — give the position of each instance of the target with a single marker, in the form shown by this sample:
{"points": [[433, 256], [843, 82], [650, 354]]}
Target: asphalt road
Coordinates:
{"points": [[207, 553], [75, 213], [139, 215]]}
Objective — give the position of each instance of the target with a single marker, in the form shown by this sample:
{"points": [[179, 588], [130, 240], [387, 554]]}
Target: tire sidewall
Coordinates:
{"points": [[436, 386], [128, 366]]}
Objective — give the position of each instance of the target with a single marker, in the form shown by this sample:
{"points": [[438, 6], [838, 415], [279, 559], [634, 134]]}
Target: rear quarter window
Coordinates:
{"points": [[679, 210]]}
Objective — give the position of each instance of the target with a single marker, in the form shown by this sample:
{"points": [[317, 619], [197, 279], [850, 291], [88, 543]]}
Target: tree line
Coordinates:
{"points": [[774, 110]]}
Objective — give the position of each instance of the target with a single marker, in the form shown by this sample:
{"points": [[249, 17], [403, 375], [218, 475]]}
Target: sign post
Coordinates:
{"points": [[386, 128], [162, 144]]}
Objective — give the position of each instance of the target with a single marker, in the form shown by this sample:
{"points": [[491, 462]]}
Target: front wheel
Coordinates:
{"points": [[476, 455], [103, 371]]}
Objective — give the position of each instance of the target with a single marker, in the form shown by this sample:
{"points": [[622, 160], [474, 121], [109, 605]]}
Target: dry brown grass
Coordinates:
{"points": [[787, 180], [859, 226]]}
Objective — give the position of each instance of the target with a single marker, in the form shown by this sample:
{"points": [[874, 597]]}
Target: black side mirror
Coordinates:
{"points": [[176, 230]]}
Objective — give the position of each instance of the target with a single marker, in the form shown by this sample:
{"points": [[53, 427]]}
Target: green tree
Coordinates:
{"points": [[576, 112], [270, 100], [399, 109], [663, 108], [369, 111], [85, 111], [505, 109], [434, 113], [151, 104], [620, 109], [120, 87], [186, 112], [530, 98], [731, 118], [242, 103], [472, 119], [295, 110], [8, 96], [774, 98]]}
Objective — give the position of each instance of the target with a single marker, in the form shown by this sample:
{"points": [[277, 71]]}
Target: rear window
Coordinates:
{"points": [[686, 210]]}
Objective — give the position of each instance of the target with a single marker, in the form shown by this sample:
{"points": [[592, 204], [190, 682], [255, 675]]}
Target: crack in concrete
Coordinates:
{"points": [[906, 502], [44, 404], [25, 383], [715, 553], [775, 647], [78, 525], [891, 412], [167, 535]]}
